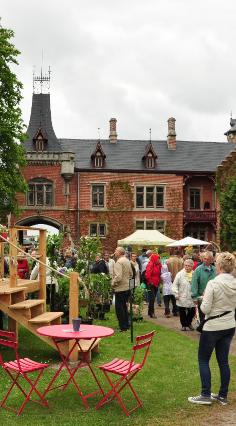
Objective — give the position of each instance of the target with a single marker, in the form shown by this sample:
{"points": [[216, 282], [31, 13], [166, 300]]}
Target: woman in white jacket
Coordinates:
{"points": [[181, 289], [218, 305]]}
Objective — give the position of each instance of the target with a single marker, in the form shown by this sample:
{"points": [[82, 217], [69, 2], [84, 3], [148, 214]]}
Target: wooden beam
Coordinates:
{"points": [[13, 256], [42, 268], [73, 308]]}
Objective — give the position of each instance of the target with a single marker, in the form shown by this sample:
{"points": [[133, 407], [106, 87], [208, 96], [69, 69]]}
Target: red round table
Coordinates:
{"points": [[64, 332]]}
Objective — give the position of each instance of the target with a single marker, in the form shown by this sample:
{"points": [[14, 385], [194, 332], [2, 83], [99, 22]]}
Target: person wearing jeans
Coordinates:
{"points": [[218, 305], [153, 277], [120, 284], [220, 341]]}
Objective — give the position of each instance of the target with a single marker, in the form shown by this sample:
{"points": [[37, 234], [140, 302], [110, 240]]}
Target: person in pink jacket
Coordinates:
{"points": [[153, 278]]}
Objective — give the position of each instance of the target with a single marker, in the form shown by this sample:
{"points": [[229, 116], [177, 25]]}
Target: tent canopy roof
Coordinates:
{"points": [[145, 238], [188, 241]]}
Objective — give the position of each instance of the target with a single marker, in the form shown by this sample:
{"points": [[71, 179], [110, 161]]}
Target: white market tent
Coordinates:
{"points": [[188, 241], [145, 238]]}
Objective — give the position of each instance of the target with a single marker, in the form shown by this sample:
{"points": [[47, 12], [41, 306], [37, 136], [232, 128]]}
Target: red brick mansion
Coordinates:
{"points": [[112, 187]]}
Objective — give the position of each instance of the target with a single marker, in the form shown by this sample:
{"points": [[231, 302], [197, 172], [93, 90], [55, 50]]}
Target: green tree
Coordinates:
{"points": [[228, 214], [12, 154]]}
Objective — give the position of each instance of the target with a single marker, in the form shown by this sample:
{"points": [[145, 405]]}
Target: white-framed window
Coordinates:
{"points": [[97, 229], [194, 198], [40, 192], [159, 225], [98, 195], [150, 197]]}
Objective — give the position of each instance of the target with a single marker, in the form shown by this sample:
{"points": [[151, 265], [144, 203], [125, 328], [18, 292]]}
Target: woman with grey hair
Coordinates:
{"points": [[181, 289], [218, 304]]}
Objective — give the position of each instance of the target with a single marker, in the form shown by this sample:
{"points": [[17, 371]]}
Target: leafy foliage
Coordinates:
{"points": [[89, 247], [54, 243], [228, 214], [12, 154], [101, 287]]}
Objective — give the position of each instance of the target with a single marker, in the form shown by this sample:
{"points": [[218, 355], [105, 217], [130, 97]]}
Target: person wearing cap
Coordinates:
{"points": [[153, 278]]}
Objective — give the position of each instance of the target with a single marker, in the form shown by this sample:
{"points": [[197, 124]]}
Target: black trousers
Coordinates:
{"points": [[121, 300], [186, 316], [152, 297], [167, 299]]}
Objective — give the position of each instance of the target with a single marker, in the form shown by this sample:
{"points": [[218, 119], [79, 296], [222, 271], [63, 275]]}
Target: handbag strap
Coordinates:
{"points": [[218, 316]]}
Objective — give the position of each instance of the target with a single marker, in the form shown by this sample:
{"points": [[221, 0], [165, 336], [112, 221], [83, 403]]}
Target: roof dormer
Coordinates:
{"points": [[98, 156], [150, 157], [40, 140]]}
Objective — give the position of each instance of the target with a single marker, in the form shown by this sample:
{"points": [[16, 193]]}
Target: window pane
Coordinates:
{"points": [[139, 196], [159, 196], [30, 200], [102, 230], [48, 199], [150, 196], [139, 224], [194, 198], [150, 224], [93, 229], [98, 196], [39, 198], [160, 226]]}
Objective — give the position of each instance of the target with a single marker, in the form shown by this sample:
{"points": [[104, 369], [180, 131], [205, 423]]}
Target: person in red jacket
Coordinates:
{"points": [[153, 278], [22, 267]]}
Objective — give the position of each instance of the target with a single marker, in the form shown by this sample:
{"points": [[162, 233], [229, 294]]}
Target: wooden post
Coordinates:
{"points": [[1, 259], [13, 256], [13, 325], [42, 268], [73, 308]]}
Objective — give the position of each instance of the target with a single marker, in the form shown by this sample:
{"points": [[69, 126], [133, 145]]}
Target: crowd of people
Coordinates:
{"points": [[201, 285]]}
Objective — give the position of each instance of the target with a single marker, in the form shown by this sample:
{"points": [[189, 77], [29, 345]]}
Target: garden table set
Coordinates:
{"points": [[119, 372], [64, 332]]}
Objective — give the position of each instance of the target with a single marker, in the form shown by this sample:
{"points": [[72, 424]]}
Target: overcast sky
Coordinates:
{"points": [[141, 61]]}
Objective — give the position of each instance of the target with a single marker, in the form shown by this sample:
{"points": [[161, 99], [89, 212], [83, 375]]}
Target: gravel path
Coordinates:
{"points": [[173, 323]]}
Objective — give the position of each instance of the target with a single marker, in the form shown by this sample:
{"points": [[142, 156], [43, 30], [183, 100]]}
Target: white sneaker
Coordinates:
{"points": [[220, 399], [200, 399]]}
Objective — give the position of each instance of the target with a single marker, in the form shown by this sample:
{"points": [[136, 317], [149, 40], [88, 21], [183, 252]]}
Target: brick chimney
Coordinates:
{"points": [[113, 133], [171, 137]]}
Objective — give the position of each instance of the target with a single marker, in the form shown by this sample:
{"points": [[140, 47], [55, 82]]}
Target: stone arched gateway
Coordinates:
{"points": [[35, 220]]}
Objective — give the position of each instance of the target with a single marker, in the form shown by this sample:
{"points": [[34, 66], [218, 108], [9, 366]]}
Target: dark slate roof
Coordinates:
{"points": [[233, 126], [126, 155], [40, 118]]}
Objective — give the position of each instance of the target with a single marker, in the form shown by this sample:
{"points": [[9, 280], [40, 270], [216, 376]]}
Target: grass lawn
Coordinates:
{"points": [[169, 377]]}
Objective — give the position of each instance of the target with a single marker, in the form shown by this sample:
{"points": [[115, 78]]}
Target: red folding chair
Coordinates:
{"points": [[20, 368], [126, 370]]}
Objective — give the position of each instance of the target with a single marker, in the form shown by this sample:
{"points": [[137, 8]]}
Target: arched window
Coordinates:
{"points": [[40, 192], [98, 159], [39, 143], [150, 161]]}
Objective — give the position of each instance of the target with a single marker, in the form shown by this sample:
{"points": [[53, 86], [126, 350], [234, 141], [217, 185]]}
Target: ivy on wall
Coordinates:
{"points": [[119, 195], [227, 197]]}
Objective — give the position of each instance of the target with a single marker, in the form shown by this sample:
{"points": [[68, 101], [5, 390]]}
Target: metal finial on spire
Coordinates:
{"points": [[231, 114], [150, 134], [41, 80], [99, 133]]}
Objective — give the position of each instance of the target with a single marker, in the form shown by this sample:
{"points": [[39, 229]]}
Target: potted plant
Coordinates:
{"points": [[138, 299], [101, 292], [88, 248]]}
